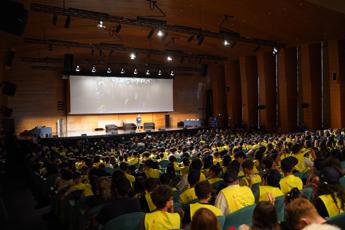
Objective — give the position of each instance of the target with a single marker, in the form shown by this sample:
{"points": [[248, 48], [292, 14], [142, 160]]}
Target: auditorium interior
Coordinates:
{"points": [[183, 114]]}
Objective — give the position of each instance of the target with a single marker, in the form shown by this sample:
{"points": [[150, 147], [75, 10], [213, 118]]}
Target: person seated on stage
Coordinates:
{"points": [[189, 195], [203, 192], [250, 177], [151, 169], [234, 196], [204, 219], [270, 186], [164, 217], [124, 168], [122, 203], [213, 175], [301, 213], [331, 195], [289, 181]]}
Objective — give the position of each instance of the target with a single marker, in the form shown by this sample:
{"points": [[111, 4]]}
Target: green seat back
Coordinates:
{"points": [[342, 181], [342, 164], [256, 191], [130, 221], [164, 164], [242, 216], [280, 207], [338, 220], [308, 192]]}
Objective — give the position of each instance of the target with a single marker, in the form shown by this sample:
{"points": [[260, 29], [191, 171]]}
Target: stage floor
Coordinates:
{"points": [[119, 132]]}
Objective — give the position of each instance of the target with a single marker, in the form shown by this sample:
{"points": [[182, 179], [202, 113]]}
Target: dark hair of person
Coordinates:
{"points": [[268, 162], [204, 219], [195, 165], [193, 177], [203, 189], [287, 164], [226, 160], [123, 166], [272, 178], [161, 195], [215, 169], [151, 183], [248, 164], [265, 217], [122, 186], [292, 195]]}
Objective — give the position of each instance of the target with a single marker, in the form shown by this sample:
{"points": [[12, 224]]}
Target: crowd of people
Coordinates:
{"points": [[193, 178]]}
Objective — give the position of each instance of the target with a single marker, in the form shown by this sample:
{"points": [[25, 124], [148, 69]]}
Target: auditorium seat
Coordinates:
{"points": [[242, 216], [131, 221]]}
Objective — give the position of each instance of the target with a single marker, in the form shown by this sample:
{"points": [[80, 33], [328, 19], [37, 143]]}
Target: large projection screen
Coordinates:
{"points": [[106, 95]]}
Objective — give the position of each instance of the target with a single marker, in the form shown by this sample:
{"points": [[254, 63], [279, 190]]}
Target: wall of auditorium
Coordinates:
{"points": [[39, 91]]}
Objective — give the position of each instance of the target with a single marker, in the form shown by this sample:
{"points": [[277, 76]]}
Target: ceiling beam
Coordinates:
{"points": [[151, 23], [121, 48]]}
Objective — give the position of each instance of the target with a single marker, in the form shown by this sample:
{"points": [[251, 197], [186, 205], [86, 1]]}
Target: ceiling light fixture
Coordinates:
{"points": [[172, 73], [159, 72], [160, 33], [275, 51], [122, 71], [109, 70], [135, 72], [93, 70], [100, 24], [148, 72], [226, 43], [77, 68], [132, 56], [169, 58]]}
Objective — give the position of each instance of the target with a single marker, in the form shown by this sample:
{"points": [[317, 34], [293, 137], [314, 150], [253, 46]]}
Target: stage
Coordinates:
{"points": [[120, 132]]}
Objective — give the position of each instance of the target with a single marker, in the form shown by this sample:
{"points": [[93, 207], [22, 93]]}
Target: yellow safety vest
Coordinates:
{"points": [[130, 178], [149, 202], [87, 190], [214, 180], [300, 167], [160, 220], [152, 173], [333, 208], [188, 196], [238, 197], [264, 190], [196, 206], [290, 182], [254, 180]]}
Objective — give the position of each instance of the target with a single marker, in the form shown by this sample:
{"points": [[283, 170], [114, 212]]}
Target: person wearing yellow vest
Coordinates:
{"points": [[250, 177], [189, 195], [213, 176], [270, 186], [203, 192], [331, 195], [234, 196], [124, 168], [79, 185], [150, 170], [164, 216], [299, 154], [289, 181]]}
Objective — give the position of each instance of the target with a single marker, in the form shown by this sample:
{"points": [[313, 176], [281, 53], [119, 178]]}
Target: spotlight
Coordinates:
{"points": [[160, 33], [172, 73], [101, 24], [68, 22], [149, 35], [169, 58], [190, 38], [226, 43], [118, 28], [93, 69], [159, 72], [55, 18], [122, 71], [135, 72], [109, 70], [77, 68], [132, 56], [148, 72], [275, 50]]}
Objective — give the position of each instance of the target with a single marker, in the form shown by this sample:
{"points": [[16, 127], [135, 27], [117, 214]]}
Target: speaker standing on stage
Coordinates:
{"points": [[138, 121]]}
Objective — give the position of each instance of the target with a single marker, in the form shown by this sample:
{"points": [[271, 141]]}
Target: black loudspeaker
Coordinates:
{"points": [[110, 128], [149, 125], [7, 125], [167, 121], [8, 88], [204, 70], [68, 63], [13, 17], [5, 111], [9, 58]]}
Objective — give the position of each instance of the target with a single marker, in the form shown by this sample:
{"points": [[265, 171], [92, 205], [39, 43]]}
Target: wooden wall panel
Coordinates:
{"points": [[287, 78], [249, 90], [233, 93], [38, 92], [336, 64], [267, 89], [311, 85]]}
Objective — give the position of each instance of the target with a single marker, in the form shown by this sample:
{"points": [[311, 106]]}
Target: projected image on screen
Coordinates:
{"points": [[99, 95]]}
